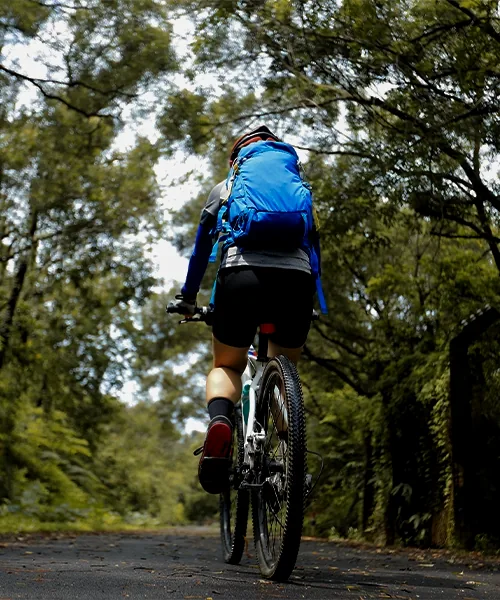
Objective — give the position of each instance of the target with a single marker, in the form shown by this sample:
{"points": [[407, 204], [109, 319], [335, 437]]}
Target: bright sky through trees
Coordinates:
{"points": [[170, 266]]}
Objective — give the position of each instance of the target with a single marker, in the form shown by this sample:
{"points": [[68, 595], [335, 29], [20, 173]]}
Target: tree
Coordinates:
{"points": [[77, 218], [398, 104], [408, 88]]}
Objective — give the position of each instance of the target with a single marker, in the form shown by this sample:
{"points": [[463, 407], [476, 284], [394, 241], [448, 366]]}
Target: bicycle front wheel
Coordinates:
{"points": [[234, 503], [278, 505]]}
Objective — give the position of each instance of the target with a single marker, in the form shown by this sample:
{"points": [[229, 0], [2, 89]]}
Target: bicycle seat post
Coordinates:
{"points": [[265, 330]]}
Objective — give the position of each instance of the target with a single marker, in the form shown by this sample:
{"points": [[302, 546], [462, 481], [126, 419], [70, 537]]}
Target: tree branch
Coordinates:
{"points": [[441, 29], [51, 96], [485, 26], [345, 347], [335, 152], [330, 366], [452, 236], [59, 5]]}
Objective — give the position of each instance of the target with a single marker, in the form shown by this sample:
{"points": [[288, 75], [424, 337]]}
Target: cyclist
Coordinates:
{"points": [[252, 287]]}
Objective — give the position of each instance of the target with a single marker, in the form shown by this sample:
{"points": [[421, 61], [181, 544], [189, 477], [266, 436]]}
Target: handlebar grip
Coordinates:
{"points": [[201, 314], [172, 309]]}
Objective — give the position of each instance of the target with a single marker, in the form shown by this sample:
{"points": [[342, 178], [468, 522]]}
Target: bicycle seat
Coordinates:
{"points": [[267, 328]]}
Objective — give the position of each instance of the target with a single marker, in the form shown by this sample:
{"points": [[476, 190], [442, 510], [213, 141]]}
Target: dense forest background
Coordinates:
{"points": [[394, 106]]}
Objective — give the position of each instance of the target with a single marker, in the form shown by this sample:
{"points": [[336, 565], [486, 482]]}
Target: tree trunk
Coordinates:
{"points": [[464, 460], [6, 327], [368, 487], [17, 288]]}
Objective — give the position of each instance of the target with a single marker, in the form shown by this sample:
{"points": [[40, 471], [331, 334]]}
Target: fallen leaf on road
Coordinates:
{"points": [[358, 572]]}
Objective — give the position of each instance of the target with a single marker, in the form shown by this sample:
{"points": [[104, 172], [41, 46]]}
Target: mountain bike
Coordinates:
{"points": [[269, 461]]}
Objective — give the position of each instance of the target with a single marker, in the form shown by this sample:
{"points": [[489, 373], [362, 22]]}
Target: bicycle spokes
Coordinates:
{"points": [[234, 501], [278, 503], [274, 472]]}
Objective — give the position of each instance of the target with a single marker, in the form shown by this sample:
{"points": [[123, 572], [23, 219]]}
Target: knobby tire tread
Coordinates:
{"points": [[233, 541], [296, 473]]}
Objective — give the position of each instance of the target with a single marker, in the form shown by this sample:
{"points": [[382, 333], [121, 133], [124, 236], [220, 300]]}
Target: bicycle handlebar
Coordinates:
{"points": [[204, 314]]}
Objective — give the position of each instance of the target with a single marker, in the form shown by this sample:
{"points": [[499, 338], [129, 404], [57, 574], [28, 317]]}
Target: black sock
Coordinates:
{"points": [[220, 407]]}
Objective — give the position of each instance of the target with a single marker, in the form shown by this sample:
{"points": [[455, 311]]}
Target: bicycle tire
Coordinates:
{"points": [[234, 503], [281, 498]]}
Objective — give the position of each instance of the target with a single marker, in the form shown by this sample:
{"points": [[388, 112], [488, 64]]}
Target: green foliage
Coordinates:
{"points": [[395, 106], [78, 216], [142, 464]]}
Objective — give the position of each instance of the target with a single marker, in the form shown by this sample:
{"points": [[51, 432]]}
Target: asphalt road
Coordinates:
{"points": [[186, 564]]}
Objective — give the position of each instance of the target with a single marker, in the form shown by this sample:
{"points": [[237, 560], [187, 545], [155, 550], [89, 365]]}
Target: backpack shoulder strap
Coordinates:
{"points": [[225, 192], [226, 189], [220, 230]]}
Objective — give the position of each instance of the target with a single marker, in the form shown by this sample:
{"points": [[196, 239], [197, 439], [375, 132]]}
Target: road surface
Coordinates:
{"points": [[186, 564]]}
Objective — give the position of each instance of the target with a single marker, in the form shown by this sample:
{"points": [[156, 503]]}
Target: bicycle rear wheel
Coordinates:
{"points": [[234, 503], [278, 506]]}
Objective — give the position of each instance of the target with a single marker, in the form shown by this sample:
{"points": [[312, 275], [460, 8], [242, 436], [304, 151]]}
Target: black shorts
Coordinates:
{"points": [[246, 297]]}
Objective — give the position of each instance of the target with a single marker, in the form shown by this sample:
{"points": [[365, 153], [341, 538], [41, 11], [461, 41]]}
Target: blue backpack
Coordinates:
{"points": [[266, 205]]}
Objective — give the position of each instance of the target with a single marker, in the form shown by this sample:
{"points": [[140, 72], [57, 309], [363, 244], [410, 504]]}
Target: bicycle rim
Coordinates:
{"points": [[278, 506], [234, 503]]}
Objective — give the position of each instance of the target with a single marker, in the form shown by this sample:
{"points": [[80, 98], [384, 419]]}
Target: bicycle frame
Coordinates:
{"points": [[253, 431], [253, 438]]}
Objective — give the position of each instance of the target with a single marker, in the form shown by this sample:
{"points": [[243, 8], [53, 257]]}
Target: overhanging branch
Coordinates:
{"points": [[52, 96], [330, 366]]}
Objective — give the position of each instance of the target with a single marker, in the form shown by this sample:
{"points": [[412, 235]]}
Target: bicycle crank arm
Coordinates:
{"points": [[247, 486]]}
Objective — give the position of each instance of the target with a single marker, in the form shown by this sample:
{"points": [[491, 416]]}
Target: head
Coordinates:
{"points": [[262, 133]]}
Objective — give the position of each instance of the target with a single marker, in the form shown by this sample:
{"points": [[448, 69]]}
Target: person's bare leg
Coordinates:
{"points": [[223, 391], [292, 353], [224, 380]]}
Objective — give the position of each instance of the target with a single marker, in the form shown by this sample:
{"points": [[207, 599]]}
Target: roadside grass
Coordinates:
{"points": [[97, 521]]}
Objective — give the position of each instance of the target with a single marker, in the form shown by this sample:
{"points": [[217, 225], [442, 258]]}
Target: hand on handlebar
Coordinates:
{"points": [[182, 305]]}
